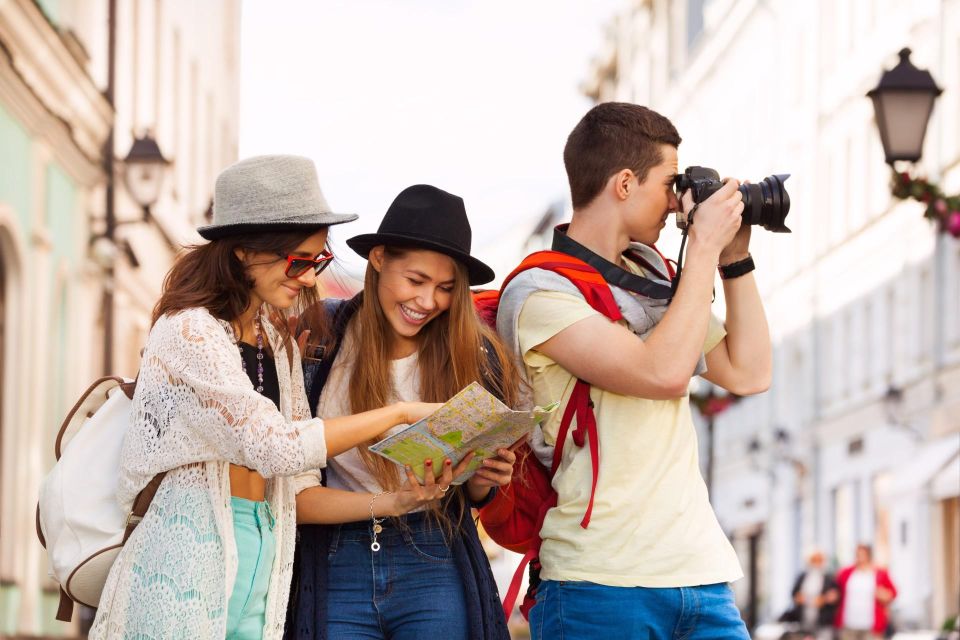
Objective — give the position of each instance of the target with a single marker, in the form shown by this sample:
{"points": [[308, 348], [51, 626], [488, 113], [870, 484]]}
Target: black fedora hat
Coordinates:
{"points": [[426, 217]]}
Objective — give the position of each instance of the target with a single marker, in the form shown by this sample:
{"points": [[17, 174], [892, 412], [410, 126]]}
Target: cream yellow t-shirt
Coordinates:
{"points": [[652, 524]]}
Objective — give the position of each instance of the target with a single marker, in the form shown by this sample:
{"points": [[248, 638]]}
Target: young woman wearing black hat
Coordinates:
{"points": [[412, 334], [220, 409]]}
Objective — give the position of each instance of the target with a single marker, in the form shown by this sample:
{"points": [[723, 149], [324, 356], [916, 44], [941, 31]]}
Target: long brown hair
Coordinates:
{"points": [[454, 350], [211, 276]]}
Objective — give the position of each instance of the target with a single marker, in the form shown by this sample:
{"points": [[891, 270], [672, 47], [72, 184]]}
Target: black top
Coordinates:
{"points": [[271, 385]]}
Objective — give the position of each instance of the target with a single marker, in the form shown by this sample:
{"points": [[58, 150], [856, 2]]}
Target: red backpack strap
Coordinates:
{"points": [[585, 278], [580, 405], [513, 591]]}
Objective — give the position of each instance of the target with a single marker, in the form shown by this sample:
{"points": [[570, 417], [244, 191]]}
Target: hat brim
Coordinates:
{"points": [[217, 231], [478, 272]]}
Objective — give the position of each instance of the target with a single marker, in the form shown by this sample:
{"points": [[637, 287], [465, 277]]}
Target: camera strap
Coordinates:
{"points": [[683, 246], [613, 274]]}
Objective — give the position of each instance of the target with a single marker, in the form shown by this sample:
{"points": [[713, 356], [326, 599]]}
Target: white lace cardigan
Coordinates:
{"points": [[194, 412]]}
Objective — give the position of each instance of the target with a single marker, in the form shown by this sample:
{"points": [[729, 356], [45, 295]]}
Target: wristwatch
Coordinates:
{"points": [[737, 269]]}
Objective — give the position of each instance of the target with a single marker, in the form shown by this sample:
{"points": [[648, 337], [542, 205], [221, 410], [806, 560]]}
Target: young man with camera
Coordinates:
{"points": [[650, 559]]}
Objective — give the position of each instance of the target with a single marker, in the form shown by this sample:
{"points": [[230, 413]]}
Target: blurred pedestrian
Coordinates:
{"points": [[865, 593], [815, 595], [392, 559], [220, 409]]}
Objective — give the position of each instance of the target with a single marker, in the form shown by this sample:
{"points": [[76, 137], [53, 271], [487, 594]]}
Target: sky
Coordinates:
{"points": [[476, 97]]}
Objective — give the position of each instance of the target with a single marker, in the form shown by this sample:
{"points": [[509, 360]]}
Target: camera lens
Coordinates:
{"points": [[767, 204]]}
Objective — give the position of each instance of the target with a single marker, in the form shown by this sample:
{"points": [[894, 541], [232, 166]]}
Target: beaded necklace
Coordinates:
{"points": [[256, 330]]}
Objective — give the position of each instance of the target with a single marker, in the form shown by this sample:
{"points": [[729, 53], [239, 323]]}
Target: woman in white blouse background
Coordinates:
{"points": [[220, 407]]}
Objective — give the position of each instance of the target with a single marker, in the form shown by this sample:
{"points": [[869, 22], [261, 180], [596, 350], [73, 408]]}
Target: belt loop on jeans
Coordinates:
{"points": [[265, 507]]}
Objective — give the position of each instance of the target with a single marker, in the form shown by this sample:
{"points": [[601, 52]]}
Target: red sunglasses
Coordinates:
{"points": [[298, 265]]}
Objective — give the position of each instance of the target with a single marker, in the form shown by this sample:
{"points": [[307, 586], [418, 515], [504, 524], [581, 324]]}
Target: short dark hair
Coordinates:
{"points": [[611, 137]]}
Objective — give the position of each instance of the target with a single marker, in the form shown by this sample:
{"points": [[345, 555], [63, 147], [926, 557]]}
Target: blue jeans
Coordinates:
{"points": [[256, 547], [568, 610], [408, 590]]}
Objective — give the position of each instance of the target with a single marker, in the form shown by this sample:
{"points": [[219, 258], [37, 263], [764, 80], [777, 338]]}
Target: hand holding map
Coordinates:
{"points": [[473, 420]]}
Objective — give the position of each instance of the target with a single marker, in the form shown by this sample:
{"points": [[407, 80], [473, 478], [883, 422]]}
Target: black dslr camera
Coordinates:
{"points": [[766, 204]]}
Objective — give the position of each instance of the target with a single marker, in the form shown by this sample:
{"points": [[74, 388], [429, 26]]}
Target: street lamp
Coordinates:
{"points": [[143, 172], [895, 411], [903, 101]]}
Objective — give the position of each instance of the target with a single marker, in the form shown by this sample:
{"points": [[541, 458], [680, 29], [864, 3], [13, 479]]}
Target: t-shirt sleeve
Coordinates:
{"points": [[716, 332], [545, 314]]}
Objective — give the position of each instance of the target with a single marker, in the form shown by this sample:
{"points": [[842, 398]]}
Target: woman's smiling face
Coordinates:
{"points": [[415, 286]]}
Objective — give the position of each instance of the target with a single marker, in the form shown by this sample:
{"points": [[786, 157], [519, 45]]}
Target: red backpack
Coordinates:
{"points": [[514, 517]]}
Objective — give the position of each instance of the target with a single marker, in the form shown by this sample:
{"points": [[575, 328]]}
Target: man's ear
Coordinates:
{"points": [[622, 183], [376, 257]]}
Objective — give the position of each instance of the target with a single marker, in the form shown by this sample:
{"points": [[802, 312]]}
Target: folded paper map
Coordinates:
{"points": [[473, 420]]}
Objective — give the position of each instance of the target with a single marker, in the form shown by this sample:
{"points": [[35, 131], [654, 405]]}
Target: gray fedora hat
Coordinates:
{"points": [[269, 193]]}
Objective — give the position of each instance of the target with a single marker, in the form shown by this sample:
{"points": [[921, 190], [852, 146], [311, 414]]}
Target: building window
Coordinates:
{"points": [[844, 524], [694, 21], [951, 554], [881, 519]]}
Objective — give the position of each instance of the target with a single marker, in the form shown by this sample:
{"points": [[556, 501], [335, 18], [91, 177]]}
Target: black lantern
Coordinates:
{"points": [[903, 102], [144, 168]]}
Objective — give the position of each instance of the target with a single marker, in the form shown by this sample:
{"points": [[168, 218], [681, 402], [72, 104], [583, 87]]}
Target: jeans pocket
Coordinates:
{"points": [[429, 545]]}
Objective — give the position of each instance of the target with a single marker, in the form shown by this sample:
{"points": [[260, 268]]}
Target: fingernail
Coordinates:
{"points": [[428, 463], [447, 462]]}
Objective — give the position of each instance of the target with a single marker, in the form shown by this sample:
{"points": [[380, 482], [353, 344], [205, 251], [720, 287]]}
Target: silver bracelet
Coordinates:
{"points": [[377, 522]]}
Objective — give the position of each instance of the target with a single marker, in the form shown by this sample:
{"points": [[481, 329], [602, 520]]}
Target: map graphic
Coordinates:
{"points": [[473, 420]]}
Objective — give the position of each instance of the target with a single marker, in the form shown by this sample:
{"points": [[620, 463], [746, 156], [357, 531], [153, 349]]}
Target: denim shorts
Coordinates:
{"points": [[574, 610], [409, 589], [253, 525]]}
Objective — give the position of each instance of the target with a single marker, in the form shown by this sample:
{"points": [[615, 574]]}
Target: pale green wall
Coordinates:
{"points": [[9, 606], [15, 176], [61, 214], [51, 8]]}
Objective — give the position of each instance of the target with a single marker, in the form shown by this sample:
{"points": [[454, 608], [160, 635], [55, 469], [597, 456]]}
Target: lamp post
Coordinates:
{"points": [[903, 102], [143, 172], [710, 404]]}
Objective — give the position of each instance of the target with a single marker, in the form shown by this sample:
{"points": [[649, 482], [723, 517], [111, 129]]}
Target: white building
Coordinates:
{"points": [[863, 297], [176, 75]]}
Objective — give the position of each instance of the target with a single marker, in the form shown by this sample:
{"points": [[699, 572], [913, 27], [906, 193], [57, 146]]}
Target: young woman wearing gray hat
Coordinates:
{"points": [[220, 409], [413, 334]]}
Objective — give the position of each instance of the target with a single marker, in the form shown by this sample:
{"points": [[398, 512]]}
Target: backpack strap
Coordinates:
{"points": [[65, 608], [313, 539], [340, 312], [596, 292], [141, 503]]}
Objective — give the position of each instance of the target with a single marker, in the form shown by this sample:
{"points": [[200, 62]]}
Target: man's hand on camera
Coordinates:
{"points": [[717, 219]]}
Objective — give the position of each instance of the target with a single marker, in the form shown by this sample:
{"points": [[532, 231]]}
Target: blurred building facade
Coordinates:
{"points": [[64, 132], [858, 438]]}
